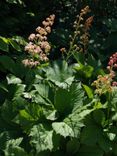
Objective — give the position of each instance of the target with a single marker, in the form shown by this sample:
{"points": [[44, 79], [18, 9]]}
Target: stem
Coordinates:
{"points": [[108, 110]]}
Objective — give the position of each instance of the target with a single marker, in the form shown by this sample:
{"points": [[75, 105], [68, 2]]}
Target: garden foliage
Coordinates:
{"points": [[58, 89]]}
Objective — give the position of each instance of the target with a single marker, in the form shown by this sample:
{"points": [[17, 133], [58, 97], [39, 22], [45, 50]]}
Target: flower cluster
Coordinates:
{"points": [[103, 83], [81, 29], [106, 83], [80, 38], [112, 65], [38, 47], [84, 39]]}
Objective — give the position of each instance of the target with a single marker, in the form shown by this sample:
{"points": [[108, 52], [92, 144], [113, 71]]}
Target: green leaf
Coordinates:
{"points": [[88, 91], [7, 111], [4, 46], [11, 79], [14, 1], [53, 115], [73, 146], [4, 87], [105, 144], [75, 125], [28, 116], [20, 40], [63, 129], [84, 70], [41, 138], [114, 145], [75, 120], [20, 88], [99, 117], [60, 74], [15, 91], [42, 94], [87, 71], [42, 89], [111, 136], [7, 63], [4, 136], [13, 148], [69, 100], [90, 151], [114, 98], [91, 134], [14, 45]]}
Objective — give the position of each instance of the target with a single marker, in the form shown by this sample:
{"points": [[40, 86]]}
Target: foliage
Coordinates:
{"points": [[58, 107]]}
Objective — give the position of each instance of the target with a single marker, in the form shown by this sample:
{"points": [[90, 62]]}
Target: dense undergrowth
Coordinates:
{"points": [[58, 89]]}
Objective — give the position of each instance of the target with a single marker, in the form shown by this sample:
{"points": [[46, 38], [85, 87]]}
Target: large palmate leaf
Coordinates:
{"points": [[69, 100], [41, 138], [60, 74]]}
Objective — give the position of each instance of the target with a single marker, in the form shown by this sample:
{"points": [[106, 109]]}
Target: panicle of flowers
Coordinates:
{"points": [[38, 47], [84, 39], [103, 83], [80, 37], [106, 83], [112, 66]]}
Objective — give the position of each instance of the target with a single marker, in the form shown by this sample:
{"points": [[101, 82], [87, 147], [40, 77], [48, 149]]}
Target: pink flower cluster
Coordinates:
{"points": [[38, 46], [112, 62], [112, 65], [114, 84]]}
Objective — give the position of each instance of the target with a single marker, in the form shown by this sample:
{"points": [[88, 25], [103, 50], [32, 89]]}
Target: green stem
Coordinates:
{"points": [[108, 109]]}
